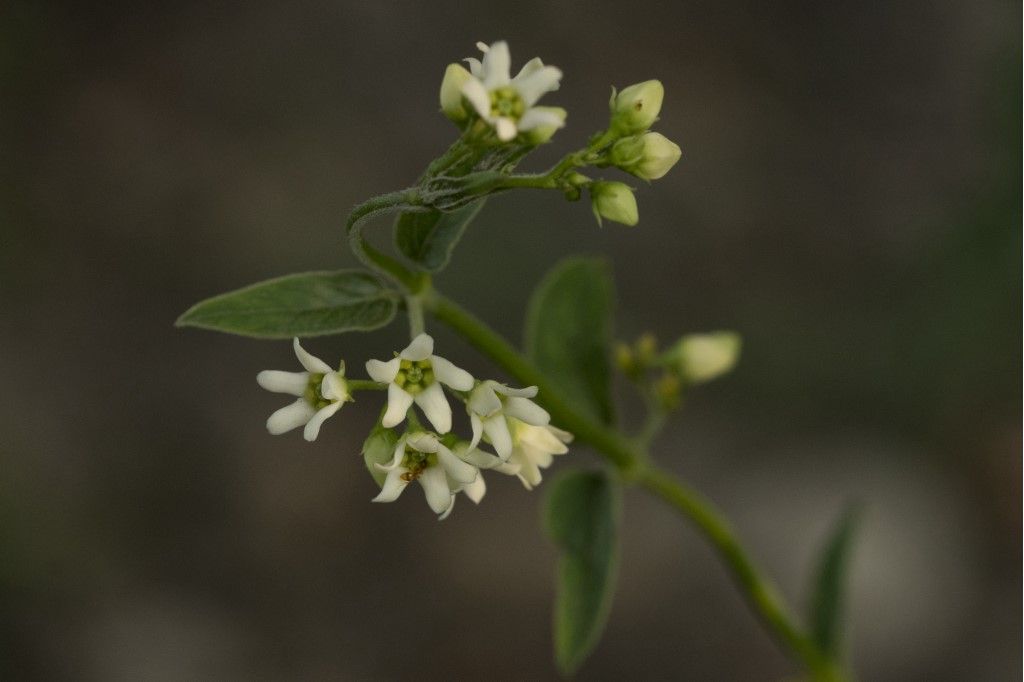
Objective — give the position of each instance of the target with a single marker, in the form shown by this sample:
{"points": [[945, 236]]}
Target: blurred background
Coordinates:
{"points": [[848, 199]]}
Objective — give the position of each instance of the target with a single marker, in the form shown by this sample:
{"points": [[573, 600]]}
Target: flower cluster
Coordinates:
{"points": [[516, 428]]}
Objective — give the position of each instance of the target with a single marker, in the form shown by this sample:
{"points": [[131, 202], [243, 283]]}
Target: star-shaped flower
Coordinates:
{"points": [[507, 104], [420, 456], [321, 392], [416, 376], [495, 409]]}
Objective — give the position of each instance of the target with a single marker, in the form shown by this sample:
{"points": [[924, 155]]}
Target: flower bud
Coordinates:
{"points": [[614, 201], [668, 391], [451, 93], [636, 108], [543, 133], [624, 360], [648, 156], [703, 357]]}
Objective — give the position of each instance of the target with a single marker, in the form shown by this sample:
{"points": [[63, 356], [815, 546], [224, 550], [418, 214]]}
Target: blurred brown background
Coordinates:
{"points": [[849, 199]]}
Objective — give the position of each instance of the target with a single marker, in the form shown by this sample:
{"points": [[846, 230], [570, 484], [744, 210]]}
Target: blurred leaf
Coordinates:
{"points": [[379, 448], [829, 599], [303, 304], [428, 238], [568, 332], [582, 517]]}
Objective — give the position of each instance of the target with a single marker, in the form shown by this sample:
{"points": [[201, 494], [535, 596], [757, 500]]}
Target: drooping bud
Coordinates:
{"points": [[648, 156], [543, 133], [703, 357], [455, 76], [636, 108], [614, 201]]}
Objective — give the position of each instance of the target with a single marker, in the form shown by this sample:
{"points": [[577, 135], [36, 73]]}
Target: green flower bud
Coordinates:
{"points": [[668, 391], [614, 201], [451, 93], [703, 357], [648, 156], [543, 133], [636, 108]]}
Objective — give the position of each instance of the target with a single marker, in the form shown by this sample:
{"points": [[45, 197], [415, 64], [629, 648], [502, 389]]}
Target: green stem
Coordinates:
{"points": [[364, 385], [414, 306], [403, 200], [631, 460]]}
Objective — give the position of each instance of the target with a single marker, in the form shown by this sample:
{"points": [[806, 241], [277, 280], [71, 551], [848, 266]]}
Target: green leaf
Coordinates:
{"points": [[828, 600], [568, 332], [379, 448], [428, 238], [582, 517], [304, 304]]}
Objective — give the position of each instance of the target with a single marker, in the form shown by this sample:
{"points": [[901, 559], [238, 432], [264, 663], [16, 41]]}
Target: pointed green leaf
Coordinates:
{"points": [[304, 304], [582, 517], [428, 238], [568, 332], [829, 597]]}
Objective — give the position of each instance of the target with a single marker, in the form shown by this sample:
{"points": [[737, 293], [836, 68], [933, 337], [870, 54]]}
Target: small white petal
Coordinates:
{"points": [[450, 375], [542, 438], [478, 430], [496, 429], [533, 86], [483, 401], [448, 511], [424, 442], [290, 417], [558, 433], [497, 65], [393, 486], [399, 403], [478, 458], [397, 459], [383, 372], [312, 364], [316, 421], [535, 455], [435, 488], [334, 387], [475, 67], [419, 348], [476, 94], [505, 127], [482, 46], [537, 117], [476, 490], [509, 468], [528, 392], [529, 67], [292, 383], [435, 407], [453, 466], [527, 411]]}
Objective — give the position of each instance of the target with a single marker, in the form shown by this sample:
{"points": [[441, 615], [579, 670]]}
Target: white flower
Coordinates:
{"points": [[494, 409], [321, 392], [422, 457], [507, 103], [416, 376], [533, 450]]}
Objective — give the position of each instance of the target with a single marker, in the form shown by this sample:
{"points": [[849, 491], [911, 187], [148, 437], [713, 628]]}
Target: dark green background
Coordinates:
{"points": [[848, 198]]}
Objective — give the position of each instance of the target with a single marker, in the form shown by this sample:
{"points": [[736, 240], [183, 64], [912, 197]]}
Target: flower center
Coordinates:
{"points": [[415, 375], [416, 462], [314, 392], [507, 103]]}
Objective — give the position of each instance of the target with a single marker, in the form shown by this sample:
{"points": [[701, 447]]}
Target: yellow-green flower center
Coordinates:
{"points": [[314, 392], [415, 375], [416, 462], [507, 103]]}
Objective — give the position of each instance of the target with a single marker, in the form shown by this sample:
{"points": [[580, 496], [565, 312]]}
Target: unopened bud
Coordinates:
{"points": [[646, 349], [614, 201], [452, 105], [636, 108], [668, 390], [624, 359], [648, 156], [703, 357]]}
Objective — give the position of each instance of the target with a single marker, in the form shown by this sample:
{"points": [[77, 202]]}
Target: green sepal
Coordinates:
{"points": [[379, 448], [828, 601]]}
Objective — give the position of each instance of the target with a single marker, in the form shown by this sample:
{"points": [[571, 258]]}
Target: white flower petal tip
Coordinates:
{"points": [[290, 417], [420, 348], [292, 383], [310, 362], [312, 429]]}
